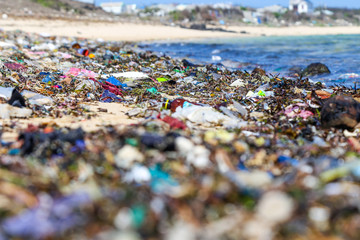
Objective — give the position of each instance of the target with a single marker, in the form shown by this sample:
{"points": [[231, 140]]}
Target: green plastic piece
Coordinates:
{"points": [[261, 93], [162, 79], [153, 90]]}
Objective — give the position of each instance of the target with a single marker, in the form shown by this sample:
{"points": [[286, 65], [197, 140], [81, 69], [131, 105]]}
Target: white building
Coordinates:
{"points": [[113, 7], [131, 8], [252, 17], [301, 6]]}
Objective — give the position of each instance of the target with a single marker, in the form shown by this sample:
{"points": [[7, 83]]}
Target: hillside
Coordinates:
{"points": [[53, 9]]}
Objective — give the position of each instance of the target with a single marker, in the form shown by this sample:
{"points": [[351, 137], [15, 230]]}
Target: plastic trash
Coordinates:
{"points": [[128, 75], [16, 99], [200, 115], [115, 82], [7, 111]]}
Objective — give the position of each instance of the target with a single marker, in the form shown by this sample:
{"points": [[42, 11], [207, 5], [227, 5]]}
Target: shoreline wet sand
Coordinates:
{"points": [[206, 153], [147, 32]]}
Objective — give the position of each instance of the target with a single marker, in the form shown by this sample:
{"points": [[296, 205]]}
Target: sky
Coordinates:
{"points": [[249, 3]]}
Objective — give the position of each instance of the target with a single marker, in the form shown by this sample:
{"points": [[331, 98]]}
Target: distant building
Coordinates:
{"points": [[118, 7], [252, 17], [301, 6], [130, 8], [113, 7]]}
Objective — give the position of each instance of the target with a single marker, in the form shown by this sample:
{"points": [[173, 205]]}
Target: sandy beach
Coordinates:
{"points": [[146, 32]]}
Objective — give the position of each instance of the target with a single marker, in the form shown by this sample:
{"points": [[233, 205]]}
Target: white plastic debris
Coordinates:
{"points": [[240, 108], [138, 174], [124, 219], [127, 156], [5, 92], [254, 179], [87, 84], [275, 207], [180, 231], [7, 111], [128, 75], [319, 214], [6, 45], [184, 146], [44, 46], [199, 157], [228, 113], [238, 83], [134, 112], [37, 99], [201, 115]]}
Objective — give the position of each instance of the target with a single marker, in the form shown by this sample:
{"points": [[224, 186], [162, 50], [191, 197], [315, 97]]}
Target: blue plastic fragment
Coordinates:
{"points": [[241, 166], [13, 152], [79, 146], [116, 82], [187, 104], [44, 73], [108, 97], [161, 181], [288, 160], [113, 81], [356, 172], [54, 218], [47, 79]]}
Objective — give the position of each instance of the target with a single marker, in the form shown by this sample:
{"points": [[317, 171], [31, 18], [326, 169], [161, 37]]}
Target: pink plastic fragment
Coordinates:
{"points": [[77, 71], [296, 111], [15, 66]]}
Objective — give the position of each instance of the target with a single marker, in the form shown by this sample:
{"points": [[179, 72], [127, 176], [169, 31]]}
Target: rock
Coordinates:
{"points": [[258, 72], [340, 112], [199, 26], [295, 70], [315, 69]]}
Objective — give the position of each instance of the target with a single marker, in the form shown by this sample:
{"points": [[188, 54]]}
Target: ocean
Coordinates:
{"points": [[277, 55]]}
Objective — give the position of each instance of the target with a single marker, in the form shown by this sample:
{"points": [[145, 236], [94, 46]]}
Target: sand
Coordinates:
{"points": [[137, 32], [114, 115]]}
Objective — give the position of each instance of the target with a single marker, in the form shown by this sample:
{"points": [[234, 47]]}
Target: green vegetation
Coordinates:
{"points": [[151, 10], [175, 15], [277, 15], [53, 4]]}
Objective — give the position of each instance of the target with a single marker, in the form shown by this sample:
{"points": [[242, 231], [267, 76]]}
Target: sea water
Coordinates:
{"points": [[277, 55]]}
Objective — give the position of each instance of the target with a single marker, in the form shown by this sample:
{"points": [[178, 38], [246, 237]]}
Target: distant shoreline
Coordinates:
{"points": [[145, 32]]}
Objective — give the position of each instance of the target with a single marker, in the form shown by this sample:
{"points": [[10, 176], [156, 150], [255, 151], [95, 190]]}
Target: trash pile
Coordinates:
{"points": [[216, 153]]}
